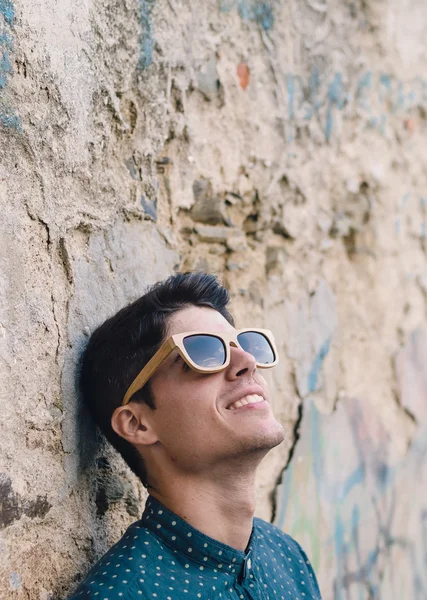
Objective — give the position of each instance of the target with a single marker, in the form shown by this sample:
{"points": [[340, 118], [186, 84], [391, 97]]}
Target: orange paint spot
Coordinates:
{"points": [[410, 125], [243, 74]]}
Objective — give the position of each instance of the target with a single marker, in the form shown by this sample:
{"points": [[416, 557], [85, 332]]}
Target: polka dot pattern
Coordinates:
{"points": [[161, 556]]}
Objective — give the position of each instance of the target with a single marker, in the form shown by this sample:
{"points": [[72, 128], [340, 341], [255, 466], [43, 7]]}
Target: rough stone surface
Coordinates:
{"points": [[277, 144]]}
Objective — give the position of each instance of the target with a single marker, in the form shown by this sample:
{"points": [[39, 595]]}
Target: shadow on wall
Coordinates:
{"points": [[88, 440], [109, 269], [92, 464]]}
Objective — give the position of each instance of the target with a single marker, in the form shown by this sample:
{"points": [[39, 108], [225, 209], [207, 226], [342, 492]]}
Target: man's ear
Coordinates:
{"points": [[129, 422]]}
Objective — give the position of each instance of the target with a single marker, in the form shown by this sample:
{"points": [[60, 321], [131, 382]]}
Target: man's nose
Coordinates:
{"points": [[241, 362]]}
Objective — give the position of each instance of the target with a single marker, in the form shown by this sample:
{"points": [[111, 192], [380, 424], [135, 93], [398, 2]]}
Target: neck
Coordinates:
{"points": [[220, 505]]}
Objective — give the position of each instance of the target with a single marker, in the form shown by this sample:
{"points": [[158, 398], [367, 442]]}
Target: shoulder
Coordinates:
{"points": [[276, 536], [288, 551], [122, 566]]}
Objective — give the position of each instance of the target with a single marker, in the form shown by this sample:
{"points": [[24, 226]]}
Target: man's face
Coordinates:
{"points": [[193, 420]]}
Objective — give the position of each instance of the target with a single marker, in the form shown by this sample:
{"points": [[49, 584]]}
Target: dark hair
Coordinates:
{"points": [[122, 345]]}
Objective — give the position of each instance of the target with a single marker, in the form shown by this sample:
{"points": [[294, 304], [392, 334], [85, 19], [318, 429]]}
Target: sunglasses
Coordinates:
{"points": [[209, 353]]}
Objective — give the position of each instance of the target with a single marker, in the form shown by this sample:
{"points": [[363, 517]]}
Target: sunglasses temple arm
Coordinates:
{"points": [[145, 374]]}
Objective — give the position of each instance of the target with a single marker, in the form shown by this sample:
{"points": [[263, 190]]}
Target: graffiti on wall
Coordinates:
{"points": [[7, 15], [373, 97], [311, 327], [329, 98], [7, 10], [354, 504], [257, 12]]}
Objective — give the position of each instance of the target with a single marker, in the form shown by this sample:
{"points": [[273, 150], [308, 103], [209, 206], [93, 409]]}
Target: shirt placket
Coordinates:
{"points": [[247, 586]]}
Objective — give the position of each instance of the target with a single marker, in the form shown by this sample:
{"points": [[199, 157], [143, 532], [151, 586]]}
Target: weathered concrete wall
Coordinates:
{"points": [[278, 144]]}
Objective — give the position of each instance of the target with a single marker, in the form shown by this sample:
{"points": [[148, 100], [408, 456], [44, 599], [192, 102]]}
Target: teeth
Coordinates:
{"points": [[251, 399], [254, 399]]}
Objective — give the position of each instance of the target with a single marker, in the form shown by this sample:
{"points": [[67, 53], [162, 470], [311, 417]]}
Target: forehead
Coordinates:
{"points": [[197, 318]]}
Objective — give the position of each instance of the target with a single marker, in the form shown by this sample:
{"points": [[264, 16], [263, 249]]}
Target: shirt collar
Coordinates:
{"points": [[192, 543]]}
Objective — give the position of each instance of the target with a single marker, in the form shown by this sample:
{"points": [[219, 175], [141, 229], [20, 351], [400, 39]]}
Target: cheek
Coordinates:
{"points": [[262, 382], [185, 406]]}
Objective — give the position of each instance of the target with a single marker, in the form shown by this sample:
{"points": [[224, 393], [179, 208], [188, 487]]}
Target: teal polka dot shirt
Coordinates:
{"points": [[162, 557]]}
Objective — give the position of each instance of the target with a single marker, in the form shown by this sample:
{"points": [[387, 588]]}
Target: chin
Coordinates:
{"points": [[266, 439]]}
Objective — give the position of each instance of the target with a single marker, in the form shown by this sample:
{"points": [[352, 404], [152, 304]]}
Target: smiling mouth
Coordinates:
{"points": [[250, 399]]}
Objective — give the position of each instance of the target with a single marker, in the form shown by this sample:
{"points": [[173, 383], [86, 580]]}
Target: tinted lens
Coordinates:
{"points": [[207, 351], [258, 345]]}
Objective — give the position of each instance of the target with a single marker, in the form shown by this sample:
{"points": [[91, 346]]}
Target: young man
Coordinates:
{"points": [[179, 392]]}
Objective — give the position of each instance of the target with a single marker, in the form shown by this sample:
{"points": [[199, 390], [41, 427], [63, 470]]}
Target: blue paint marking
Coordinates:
{"points": [[340, 549], [383, 475], [5, 67], [5, 47], [147, 40], [356, 478], [7, 117], [305, 98], [385, 88], [257, 12], [10, 121], [316, 444], [314, 91], [336, 91], [15, 581], [291, 96], [336, 98], [226, 5], [400, 98], [363, 89], [7, 10], [286, 486], [355, 518], [371, 561], [386, 82], [5, 40], [317, 365], [355, 524]]}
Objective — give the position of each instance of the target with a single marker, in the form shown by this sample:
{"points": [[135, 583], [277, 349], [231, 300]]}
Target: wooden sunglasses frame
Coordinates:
{"points": [[177, 342]]}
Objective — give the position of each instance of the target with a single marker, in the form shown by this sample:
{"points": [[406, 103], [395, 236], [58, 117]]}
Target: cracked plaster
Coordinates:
{"points": [[131, 145]]}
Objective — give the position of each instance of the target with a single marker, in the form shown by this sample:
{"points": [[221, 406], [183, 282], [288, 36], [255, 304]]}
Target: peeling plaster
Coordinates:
{"points": [[253, 140]]}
